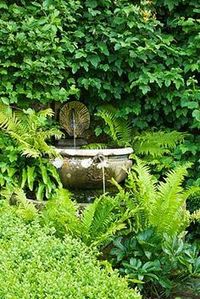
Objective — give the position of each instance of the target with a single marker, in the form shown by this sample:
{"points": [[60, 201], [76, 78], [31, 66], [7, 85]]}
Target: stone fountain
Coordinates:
{"points": [[88, 168]]}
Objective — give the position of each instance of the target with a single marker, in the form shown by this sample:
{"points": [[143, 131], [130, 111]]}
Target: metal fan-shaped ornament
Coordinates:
{"points": [[74, 118]]}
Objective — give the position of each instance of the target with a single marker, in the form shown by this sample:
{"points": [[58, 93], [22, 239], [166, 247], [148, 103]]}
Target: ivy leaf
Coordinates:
{"points": [[80, 54], [131, 76], [170, 4], [196, 114], [5, 100], [189, 105], [144, 88], [98, 131], [91, 3], [103, 48], [3, 4], [94, 59], [79, 34]]}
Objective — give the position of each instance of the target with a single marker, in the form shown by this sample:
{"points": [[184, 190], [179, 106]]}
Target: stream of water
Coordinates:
{"points": [[74, 127]]}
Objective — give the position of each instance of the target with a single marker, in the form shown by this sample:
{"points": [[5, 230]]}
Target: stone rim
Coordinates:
{"points": [[94, 152]]}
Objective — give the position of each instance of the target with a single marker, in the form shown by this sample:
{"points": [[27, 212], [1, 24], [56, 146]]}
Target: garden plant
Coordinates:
{"points": [[135, 65]]}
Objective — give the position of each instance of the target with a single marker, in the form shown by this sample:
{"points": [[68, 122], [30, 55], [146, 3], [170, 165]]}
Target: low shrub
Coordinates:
{"points": [[36, 264], [159, 266]]}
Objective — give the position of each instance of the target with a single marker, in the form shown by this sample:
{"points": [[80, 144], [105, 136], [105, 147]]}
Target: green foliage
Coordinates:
{"points": [[116, 128], [95, 146], [36, 264], [163, 264], [162, 204], [25, 153], [142, 57], [27, 128], [145, 203], [26, 210], [96, 224], [148, 144], [34, 64], [188, 150]]}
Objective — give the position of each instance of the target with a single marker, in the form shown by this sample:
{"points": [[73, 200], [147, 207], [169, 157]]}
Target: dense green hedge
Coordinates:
{"points": [[35, 264], [142, 57]]}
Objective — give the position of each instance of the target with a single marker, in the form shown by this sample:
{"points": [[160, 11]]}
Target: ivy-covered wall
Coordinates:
{"points": [[142, 57]]}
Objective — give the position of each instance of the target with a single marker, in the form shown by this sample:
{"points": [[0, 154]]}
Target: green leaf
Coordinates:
{"points": [[3, 5], [92, 3], [40, 192], [189, 104], [144, 88], [31, 176], [103, 48], [80, 54], [24, 177], [98, 131], [94, 59], [196, 114]]}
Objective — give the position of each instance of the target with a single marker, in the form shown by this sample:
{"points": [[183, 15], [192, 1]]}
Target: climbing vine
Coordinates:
{"points": [[142, 57]]}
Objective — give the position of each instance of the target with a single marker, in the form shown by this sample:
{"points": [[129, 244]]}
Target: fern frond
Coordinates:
{"points": [[103, 216], [195, 216], [88, 217], [193, 190], [108, 117], [160, 205], [27, 129], [143, 185], [61, 212], [118, 129], [46, 113], [123, 132], [156, 143], [167, 212], [101, 220], [108, 235], [53, 132]]}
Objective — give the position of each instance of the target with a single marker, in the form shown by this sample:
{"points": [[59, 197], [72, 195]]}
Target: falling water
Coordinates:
{"points": [[104, 181], [101, 165], [74, 127]]}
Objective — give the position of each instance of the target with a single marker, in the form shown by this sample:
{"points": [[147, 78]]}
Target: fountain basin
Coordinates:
{"points": [[82, 168]]}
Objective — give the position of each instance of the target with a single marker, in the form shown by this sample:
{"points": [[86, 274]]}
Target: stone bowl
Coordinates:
{"points": [[83, 168]]}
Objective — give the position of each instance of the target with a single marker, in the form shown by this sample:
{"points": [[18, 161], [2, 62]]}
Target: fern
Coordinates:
{"points": [[118, 129], [29, 134], [88, 218], [156, 143], [98, 223], [149, 143], [168, 213], [61, 213], [161, 204], [143, 194], [101, 220], [28, 130], [104, 216]]}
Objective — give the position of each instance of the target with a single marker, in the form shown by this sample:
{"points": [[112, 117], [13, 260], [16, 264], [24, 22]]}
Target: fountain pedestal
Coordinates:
{"points": [[82, 168]]}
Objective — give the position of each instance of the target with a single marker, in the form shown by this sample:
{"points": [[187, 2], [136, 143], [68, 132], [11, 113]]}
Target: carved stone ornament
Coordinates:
{"points": [[74, 118]]}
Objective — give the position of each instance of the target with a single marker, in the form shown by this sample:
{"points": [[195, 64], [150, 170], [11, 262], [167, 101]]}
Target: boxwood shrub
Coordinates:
{"points": [[36, 264]]}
